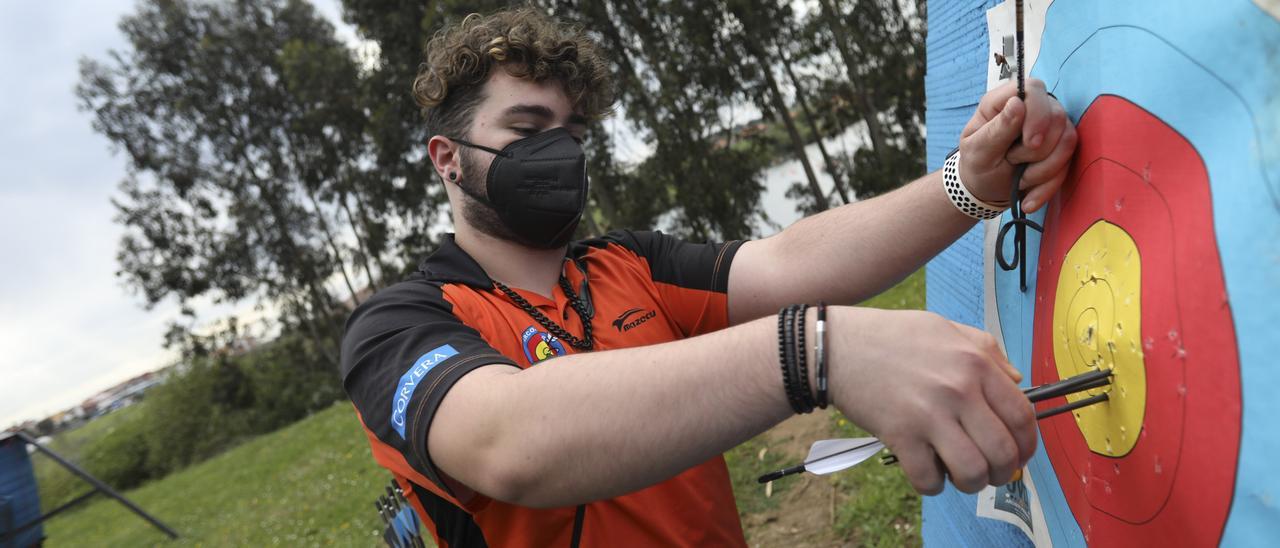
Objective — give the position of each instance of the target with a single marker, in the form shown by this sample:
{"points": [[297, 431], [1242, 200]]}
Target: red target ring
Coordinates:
{"points": [[1134, 171]]}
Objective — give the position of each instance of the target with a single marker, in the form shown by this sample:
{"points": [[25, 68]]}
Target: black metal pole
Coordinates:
{"points": [[106, 489], [19, 529]]}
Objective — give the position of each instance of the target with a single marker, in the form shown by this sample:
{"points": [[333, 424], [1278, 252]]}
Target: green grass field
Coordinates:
{"points": [[314, 482]]}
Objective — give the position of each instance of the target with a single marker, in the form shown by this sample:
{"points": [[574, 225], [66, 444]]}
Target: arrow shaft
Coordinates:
{"points": [[841, 452]]}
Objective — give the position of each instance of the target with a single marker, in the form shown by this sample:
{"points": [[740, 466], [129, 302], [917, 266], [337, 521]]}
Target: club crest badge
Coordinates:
{"points": [[540, 345]]}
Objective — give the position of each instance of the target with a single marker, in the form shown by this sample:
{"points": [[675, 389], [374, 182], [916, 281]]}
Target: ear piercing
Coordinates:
{"points": [[453, 175]]}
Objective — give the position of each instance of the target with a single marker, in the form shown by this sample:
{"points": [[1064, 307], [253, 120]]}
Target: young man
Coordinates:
{"points": [[665, 353]]}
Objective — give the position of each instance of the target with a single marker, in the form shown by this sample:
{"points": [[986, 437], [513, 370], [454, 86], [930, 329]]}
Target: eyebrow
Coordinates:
{"points": [[543, 112]]}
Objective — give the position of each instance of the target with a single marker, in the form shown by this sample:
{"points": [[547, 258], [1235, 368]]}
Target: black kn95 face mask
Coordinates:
{"points": [[537, 185]]}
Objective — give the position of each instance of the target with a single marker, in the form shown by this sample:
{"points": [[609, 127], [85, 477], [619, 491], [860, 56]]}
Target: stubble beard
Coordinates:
{"points": [[480, 214]]}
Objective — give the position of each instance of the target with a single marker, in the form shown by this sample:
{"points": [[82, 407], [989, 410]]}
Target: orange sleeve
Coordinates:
{"points": [[692, 278]]}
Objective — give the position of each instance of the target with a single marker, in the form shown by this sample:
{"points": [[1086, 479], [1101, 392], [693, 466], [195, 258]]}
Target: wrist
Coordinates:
{"points": [[850, 338], [964, 194]]}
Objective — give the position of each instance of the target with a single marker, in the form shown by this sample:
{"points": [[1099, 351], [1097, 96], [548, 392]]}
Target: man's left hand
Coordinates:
{"points": [[1006, 131]]}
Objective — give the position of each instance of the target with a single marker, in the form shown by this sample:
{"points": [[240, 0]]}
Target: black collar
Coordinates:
{"points": [[450, 264]]}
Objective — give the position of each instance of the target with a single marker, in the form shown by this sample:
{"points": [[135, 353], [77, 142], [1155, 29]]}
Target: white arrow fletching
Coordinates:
{"points": [[829, 456]]}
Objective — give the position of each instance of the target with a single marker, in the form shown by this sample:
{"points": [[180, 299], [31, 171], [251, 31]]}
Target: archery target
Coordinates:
{"points": [[1186, 91], [1130, 280]]}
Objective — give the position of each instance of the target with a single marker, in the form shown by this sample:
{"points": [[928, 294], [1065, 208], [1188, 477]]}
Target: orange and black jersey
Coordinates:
{"points": [[407, 345]]}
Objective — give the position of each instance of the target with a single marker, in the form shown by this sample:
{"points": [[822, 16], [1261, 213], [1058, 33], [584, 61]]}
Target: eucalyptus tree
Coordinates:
{"points": [[757, 24], [881, 46], [677, 77], [236, 121]]}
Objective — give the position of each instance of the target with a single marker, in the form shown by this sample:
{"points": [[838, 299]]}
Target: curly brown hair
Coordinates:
{"points": [[524, 42]]}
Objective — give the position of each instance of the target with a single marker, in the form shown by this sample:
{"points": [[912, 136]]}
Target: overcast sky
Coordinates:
{"points": [[68, 328]]}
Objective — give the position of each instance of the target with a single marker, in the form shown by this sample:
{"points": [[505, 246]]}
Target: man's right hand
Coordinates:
{"points": [[941, 395], [597, 425]]}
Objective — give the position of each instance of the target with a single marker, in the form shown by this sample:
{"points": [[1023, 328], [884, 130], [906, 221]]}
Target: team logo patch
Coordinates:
{"points": [[411, 379], [632, 319], [540, 345]]}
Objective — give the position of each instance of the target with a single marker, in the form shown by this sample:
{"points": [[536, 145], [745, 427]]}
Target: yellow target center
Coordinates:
{"points": [[1097, 317]]}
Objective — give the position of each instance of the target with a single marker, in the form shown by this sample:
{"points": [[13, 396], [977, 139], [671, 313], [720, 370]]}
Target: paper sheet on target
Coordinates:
{"points": [[1016, 503]]}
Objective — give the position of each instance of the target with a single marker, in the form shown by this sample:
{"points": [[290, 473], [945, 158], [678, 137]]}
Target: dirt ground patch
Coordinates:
{"points": [[806, 512]]}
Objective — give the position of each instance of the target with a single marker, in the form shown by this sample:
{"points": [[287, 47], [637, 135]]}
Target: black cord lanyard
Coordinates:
{"points": [[580, 302], [1020, 222]]}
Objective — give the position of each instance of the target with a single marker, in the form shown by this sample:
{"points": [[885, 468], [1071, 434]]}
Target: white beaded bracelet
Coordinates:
{"points": [[964, 200]]}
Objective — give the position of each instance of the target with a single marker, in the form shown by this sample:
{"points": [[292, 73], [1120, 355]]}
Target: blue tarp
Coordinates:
{"points": [[19, 498]]}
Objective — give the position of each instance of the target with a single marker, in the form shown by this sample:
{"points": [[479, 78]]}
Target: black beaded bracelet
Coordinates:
{"points": [[790, 366], [794, 351], [782, 356], [802, 359], [793, 356], [820, 354]]}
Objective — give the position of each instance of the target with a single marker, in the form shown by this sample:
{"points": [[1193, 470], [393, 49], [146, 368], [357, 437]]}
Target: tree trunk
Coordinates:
{"points": [[363, 211], [305, 276], [797, 143], [866, 106], [307, 323], [622, 54], [308, 277], [333, 245], [836, 180], [290, 297], [360, 242]]}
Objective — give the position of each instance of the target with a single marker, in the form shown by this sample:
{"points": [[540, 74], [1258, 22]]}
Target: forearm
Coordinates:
{"points": [[864, 248], [592, 426], [853, 252]]}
